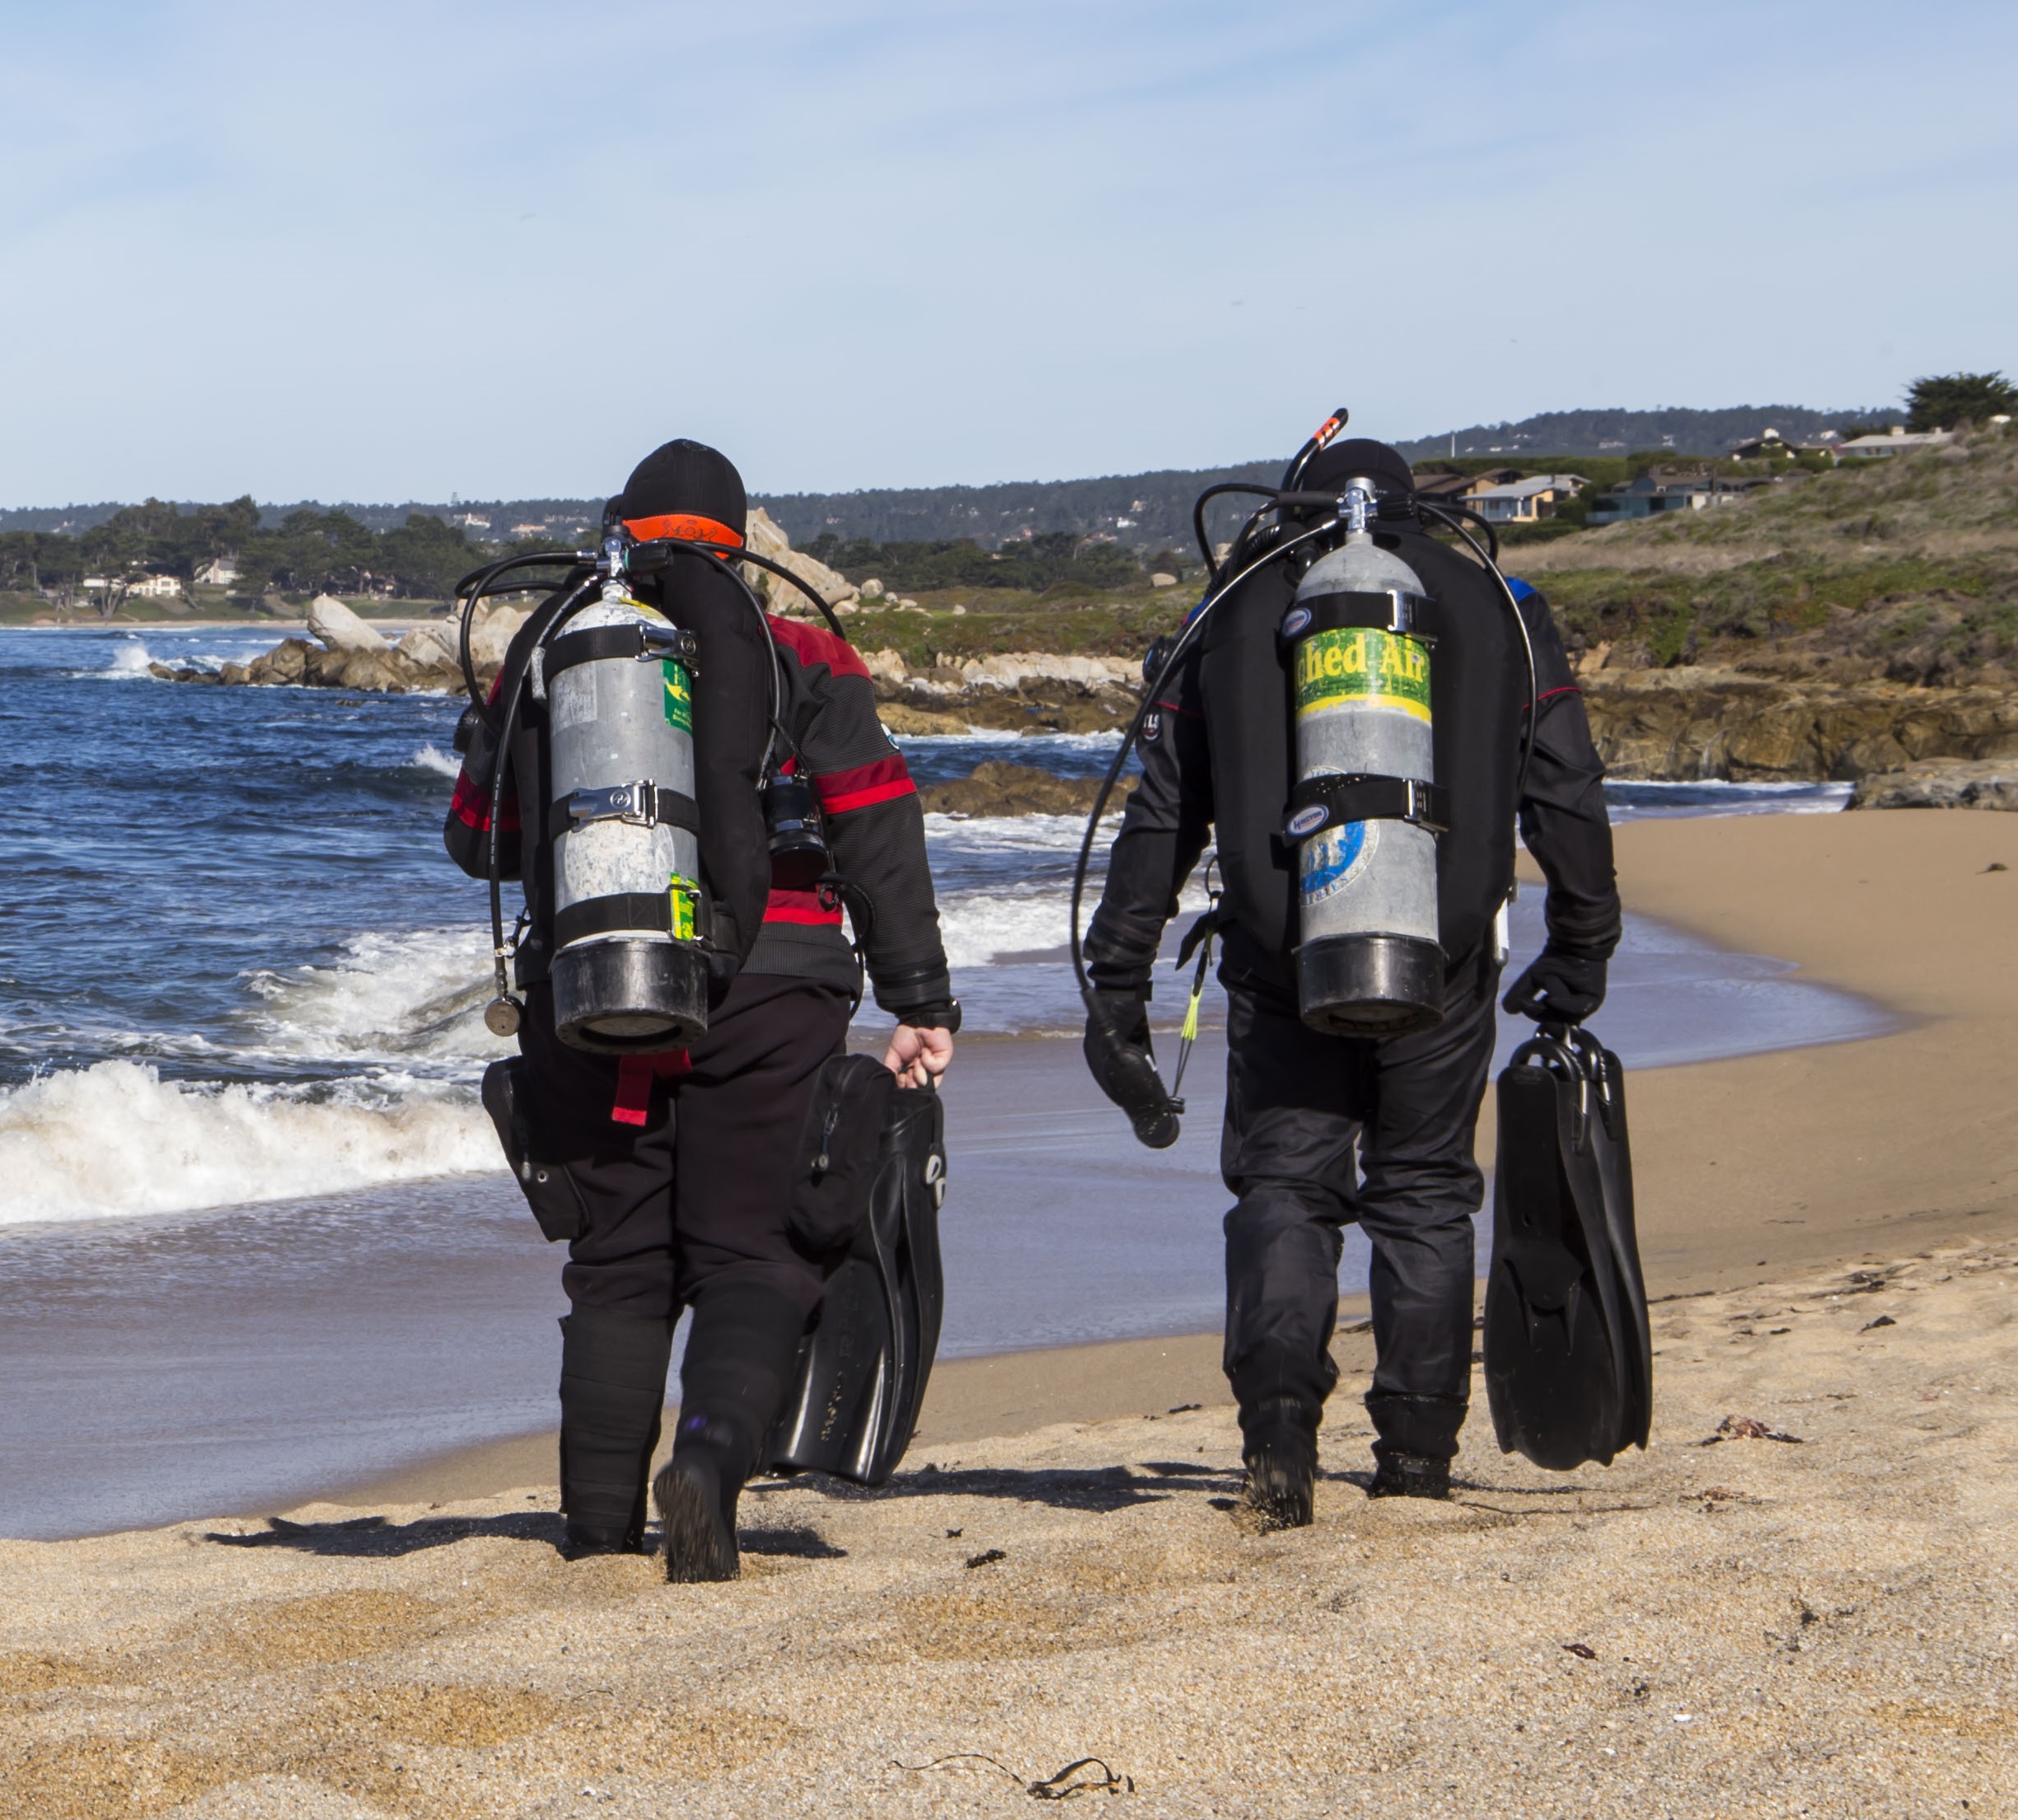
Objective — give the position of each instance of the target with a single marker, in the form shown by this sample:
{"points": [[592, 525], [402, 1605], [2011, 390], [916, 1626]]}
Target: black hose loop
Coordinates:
{"points": [[1198, 518], [1178, 647], [1452, 519]]}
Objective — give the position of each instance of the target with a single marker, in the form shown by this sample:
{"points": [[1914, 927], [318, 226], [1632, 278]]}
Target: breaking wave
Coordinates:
{"points": [[117, 1139]]}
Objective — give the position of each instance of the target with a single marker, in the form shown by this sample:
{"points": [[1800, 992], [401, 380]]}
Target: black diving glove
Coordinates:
{"points": [[1117, 1051], [1558, 987]]}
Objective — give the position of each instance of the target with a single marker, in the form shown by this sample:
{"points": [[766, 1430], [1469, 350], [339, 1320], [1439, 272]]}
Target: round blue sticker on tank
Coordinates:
{"points": [[1332, 860]]}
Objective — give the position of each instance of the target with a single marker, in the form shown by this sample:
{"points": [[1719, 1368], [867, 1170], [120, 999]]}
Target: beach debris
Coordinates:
{"points": [[1882, 1321], [1748, 1428], [1996, 865], [1779, 1330], [1582, 1651], [987, 1557], [1183, 1409], [1075, 1778], [952, 1534]]}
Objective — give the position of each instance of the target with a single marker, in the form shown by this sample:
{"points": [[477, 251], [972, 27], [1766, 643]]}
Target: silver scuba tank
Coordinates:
{"points": [[628, 970], [1365, 812]]}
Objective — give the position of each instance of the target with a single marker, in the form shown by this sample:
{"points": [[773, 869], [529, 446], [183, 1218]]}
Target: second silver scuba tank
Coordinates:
{"points": [[628, 971], [1365, 811]]}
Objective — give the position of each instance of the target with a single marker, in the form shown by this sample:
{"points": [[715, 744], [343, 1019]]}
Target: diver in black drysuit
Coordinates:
{"points": [[671, 1174], [1300, 1104]]}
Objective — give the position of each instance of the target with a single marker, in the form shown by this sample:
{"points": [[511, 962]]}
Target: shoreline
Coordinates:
{"points": [[1767, 884]]}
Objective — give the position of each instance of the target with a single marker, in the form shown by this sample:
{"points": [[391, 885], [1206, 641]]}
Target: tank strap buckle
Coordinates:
{"points": [[1330, 799], [642, 805]]}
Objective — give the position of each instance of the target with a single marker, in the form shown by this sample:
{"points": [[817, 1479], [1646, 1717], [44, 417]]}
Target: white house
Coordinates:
{"points": [[1523, 501], [1863, 447], [219, 572], [159, 588]]}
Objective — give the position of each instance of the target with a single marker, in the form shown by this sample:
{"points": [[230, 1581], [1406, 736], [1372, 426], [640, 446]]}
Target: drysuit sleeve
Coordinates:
{"points": [[1563, 819], [467, 830], [875, 828], [1164, 830]]}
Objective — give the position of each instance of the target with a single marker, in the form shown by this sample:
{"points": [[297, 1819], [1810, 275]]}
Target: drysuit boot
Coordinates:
{"points": [[612, 1387], [1279, 1447], [1418, 1439], [739, 1362]]}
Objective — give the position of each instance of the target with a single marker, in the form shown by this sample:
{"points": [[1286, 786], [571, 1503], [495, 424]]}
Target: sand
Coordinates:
{"points": [[1761, 1626]]}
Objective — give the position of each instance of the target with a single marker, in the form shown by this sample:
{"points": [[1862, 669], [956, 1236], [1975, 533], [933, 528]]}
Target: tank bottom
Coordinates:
{"points": [[1369, 985], [629, 995]]}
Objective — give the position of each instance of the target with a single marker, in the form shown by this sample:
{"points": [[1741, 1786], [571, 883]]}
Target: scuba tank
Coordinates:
{"points": [[628, 972], [1365, 811]]}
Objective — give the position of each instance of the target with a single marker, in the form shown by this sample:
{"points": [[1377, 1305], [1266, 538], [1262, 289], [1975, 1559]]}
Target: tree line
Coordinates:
{"points": [[309, 552], [1059, 558]]}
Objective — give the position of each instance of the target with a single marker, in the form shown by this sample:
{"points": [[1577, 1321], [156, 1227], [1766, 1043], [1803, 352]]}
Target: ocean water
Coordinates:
{"points": [[255, 1235]]}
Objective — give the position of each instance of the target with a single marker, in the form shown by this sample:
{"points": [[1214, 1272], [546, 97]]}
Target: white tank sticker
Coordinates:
{"points": [[573, 697], [1332, 860]]}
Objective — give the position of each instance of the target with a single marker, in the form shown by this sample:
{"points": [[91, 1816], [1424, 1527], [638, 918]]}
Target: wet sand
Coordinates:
{"points": [[1761, 1626]]}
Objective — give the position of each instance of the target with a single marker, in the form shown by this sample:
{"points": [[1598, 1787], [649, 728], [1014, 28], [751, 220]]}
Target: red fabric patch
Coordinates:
{"points": [[815, 644], [634, 1075], [800, 906], [471, 807], [876, 782]]}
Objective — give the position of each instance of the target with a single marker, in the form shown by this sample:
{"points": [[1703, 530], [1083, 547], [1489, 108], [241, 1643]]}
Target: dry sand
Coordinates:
{"points": [[1762, 1627]]}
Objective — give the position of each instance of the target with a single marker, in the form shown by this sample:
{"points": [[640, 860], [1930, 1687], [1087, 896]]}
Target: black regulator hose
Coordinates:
{"points": [[572, 603], [1179, 646], [1198, 516], [473, 587], [1453, 520]]}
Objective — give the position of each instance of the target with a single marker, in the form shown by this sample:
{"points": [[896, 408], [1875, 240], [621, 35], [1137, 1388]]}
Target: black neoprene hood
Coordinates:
{"points": [[1359, 455], [681, 476]]}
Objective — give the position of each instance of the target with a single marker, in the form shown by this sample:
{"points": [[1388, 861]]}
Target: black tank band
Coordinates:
{"points": [[637, 639], [643, 804], [645, 911], [1363, 798], [1388, 610]]}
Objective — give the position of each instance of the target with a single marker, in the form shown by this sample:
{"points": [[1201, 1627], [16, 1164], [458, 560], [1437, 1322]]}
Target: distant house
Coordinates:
{"points": [[1650, 494], [1897, 443], [1525, 502], [1441, 488], [1769, 444], [529, 530], [219, 572], [474, 520], [158, 587]]}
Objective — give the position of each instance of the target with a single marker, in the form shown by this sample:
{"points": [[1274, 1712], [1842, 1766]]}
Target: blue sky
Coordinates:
{"points": [[375, 251]]}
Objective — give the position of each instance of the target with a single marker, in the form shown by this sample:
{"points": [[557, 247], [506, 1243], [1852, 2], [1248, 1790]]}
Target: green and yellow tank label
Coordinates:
{"points": [[681, 893], [679, 697], [1362, 668]]}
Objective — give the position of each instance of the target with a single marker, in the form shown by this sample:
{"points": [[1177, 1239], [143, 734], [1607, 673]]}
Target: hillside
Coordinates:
{"points": [[1905, 570], [1595, 432]]}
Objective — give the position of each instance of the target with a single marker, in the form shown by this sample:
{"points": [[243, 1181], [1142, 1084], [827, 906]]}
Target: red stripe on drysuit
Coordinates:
{"points": [[1550, 694], [815, 644], [634, 1075], [1179, 708], [877, 781], [471, 807], [799, 906]]}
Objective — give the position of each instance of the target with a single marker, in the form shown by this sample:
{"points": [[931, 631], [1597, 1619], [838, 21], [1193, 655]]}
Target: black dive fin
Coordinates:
{"points": [[863, 1369], [1568, 1365]]}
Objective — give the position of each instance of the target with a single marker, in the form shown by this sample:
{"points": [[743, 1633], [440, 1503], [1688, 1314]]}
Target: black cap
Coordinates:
{"points": [[1357, 455], [684, 477]]}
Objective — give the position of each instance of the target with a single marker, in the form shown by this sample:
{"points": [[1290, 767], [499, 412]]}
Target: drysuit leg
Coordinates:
{"points": [[612, 1387], [1293, 1106], [1420, 1187]]}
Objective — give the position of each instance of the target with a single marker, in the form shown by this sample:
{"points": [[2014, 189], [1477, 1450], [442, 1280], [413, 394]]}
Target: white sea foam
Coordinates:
{"points": [[432, 758], [116, 1140], [413, 999], [130, 659]]}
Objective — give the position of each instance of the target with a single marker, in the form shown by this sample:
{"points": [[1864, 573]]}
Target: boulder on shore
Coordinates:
{"points": [[1943, 784], [339, 628], [998, 787]]}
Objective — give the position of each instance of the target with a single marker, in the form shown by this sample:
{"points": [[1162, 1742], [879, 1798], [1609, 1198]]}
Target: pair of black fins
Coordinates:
{"points": [[1569, 1362], [864, 1368]]}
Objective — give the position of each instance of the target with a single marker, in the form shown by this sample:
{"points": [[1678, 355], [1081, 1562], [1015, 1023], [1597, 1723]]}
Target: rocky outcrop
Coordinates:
{"points": [[767, 538], [339, 628], [1692, 722], [1016, 691], [1942, 784], [998, 788]]}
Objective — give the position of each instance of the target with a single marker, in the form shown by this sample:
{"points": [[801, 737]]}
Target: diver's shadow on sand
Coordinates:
{"points": [[1101, 1490], [374, 1536]]}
